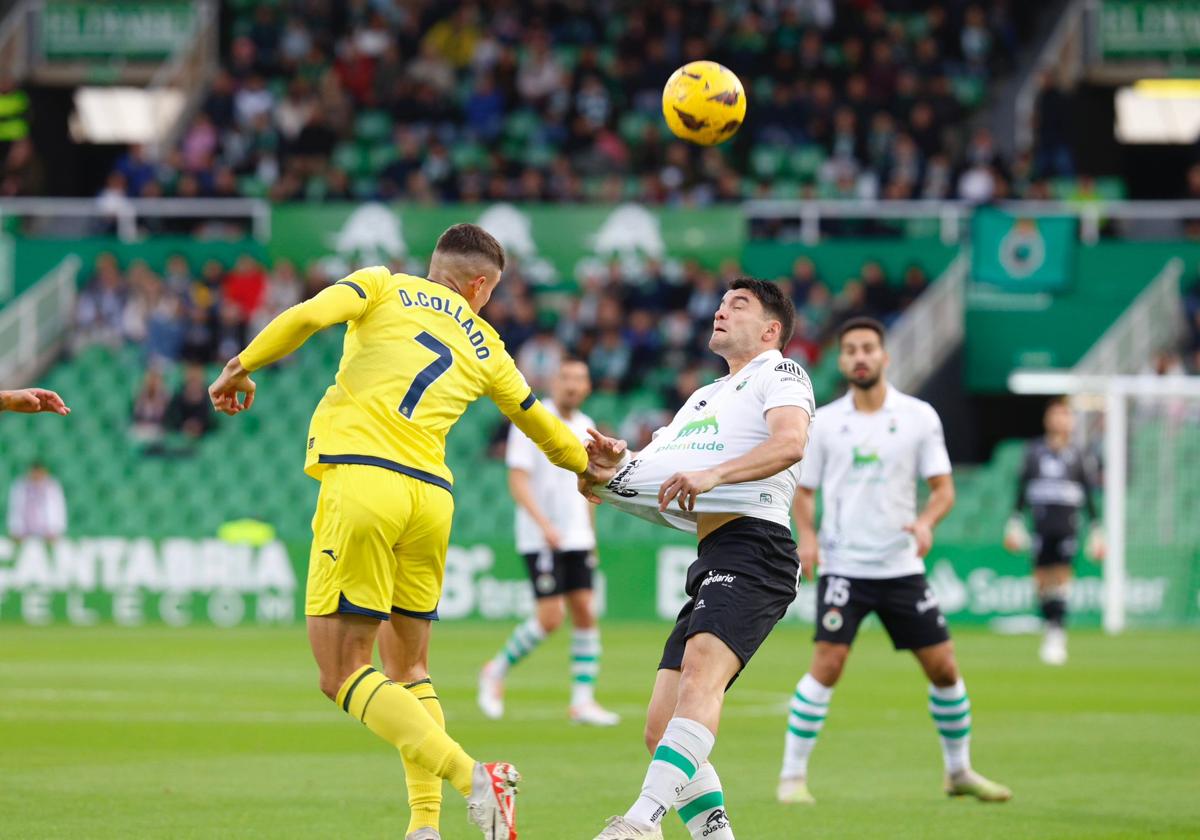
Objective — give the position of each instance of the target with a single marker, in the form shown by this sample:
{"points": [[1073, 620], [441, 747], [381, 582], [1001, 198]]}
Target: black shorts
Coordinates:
{"points": [[906, 606], [556, 572], [1054, 549], [742, 583]]}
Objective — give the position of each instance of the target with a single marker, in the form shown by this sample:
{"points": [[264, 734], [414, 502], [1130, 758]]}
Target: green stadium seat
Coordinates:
{"points": [[373, 126], [766, 161]]}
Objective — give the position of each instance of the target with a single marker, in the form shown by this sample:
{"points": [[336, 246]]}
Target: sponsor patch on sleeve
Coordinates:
{"points": [[791, 369]]}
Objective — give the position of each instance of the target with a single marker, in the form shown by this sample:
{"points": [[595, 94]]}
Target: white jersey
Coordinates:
{"points": [[866, 466], [555, 490], [719, 422]]}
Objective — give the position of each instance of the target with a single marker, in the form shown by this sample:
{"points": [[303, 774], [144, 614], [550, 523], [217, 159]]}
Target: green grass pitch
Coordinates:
{"points": [[148, 733]]}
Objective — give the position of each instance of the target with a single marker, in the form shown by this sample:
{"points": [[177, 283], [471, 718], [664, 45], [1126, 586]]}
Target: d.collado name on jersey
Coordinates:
{"points": [[448, 307]]}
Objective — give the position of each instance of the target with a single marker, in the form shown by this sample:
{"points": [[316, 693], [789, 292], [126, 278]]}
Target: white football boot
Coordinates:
{"points": [[619, 828], [492, 805]]}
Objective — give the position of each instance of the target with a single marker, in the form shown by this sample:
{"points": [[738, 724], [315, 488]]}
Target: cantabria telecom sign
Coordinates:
{"points": [[183, 581]]}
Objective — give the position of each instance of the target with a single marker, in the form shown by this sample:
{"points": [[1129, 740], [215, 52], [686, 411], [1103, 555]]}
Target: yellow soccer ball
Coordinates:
{"points": [[704, 103]]}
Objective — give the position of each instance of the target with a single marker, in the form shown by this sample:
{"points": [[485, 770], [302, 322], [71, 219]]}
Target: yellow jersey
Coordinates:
{"points": [[414, 357]]}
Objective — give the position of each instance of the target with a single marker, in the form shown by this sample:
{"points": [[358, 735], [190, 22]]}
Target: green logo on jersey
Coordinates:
{"points": [[696, 427], [864, 458]]}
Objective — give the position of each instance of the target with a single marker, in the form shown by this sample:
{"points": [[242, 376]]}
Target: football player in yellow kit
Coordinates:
{"points": [[416, 354]]}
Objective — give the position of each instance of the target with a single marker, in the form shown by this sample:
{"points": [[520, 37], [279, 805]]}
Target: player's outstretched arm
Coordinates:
{"points": [[787, 426], [282, 336], [33, 401]]}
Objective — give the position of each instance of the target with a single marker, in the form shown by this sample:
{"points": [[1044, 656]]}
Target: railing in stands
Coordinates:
{"points": [[126, 213], [188, 71], [32, 327], [1156, 219], [1154, 321], [929, 330]]}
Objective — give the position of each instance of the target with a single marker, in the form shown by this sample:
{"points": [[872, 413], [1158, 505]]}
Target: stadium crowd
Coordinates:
{"points": [[559, 100], [646, 335]]}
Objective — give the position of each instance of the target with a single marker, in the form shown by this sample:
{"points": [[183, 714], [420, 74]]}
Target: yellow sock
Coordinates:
{"points": [[424, 788], [397, 716]]}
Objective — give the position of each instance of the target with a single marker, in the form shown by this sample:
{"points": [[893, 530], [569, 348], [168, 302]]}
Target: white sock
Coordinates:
{"points": [[950, 709], [585, 665], [701, 806], [805, 721], [684, 747], [527, 636]]}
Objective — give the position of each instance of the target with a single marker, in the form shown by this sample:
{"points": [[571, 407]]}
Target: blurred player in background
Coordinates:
{"points": [[1056, 481], [416, 354], [866, 453], [724, 468], [556, 536], [33, 401]]}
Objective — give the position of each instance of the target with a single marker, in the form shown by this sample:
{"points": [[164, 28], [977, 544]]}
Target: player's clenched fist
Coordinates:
{"points": [[234, 380]]}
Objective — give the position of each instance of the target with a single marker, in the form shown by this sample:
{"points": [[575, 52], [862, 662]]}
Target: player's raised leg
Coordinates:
{"points": [[950, 708], [585, 657], [806, 719]]}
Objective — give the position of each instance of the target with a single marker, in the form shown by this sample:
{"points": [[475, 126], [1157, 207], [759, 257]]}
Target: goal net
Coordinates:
{"points": [[1145, 433]]}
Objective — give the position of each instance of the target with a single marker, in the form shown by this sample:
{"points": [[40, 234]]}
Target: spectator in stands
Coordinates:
{"points": [[878, 296], [199, 338], [229, 334], [283, 290], [99, 314], [245, 286], [916, 281], [818, 310], [37, 507], [23, 173], [190, 412], [150, 407], [609, 361], [540, 358], [851, 302]]}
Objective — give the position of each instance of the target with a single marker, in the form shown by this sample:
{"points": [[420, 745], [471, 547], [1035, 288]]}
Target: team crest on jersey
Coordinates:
{"points": [[832, 620]]}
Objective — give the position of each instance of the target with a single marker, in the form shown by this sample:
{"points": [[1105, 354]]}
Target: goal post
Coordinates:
{"points": [[1153, 421]]}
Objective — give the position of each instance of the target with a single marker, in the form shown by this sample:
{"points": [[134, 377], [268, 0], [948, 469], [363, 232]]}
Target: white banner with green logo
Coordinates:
{"points": [[552, 244]]}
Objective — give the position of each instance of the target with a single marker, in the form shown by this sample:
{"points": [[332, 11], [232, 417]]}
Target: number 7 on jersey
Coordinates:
{"points": [[428, 375]]}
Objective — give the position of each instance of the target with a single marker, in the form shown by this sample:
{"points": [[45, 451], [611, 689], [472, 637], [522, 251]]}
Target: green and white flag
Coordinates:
{"points": [[1023, 254]]}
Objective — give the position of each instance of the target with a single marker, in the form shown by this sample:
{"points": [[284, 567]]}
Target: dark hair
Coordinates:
{"points": [[1056, 401], [862, 322], [774, 302], [472, 241]]}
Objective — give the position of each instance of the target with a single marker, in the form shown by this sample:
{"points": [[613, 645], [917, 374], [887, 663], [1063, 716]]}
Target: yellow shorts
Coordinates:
{"points": [[379, 544]]}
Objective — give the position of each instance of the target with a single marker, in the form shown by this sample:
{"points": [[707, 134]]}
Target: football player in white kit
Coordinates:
{"points": [[725, 469], [866, 453], [556, 536]]}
